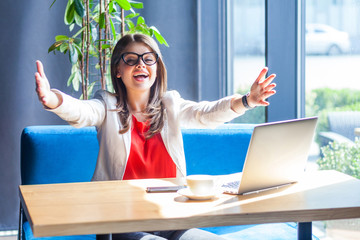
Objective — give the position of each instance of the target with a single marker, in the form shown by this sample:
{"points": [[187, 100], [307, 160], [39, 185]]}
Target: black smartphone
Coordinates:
{"points": [[164, 189]]}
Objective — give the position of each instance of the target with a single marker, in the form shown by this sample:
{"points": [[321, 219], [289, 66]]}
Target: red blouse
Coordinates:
{"points": [[148, 157]]}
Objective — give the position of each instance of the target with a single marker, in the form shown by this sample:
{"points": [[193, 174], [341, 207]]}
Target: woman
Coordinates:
{"points": [[139, 127]]}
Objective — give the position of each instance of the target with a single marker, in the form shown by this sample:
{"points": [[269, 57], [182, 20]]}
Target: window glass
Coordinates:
{"points": [[247, 33], [333, 92]]}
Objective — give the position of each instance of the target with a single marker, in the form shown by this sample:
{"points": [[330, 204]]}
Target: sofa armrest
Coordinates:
{"points": [[326, 137]]}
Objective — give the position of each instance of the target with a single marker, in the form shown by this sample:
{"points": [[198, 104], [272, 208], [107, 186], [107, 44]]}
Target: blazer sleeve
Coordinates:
{"points": [[204, 114], [82, 113]]}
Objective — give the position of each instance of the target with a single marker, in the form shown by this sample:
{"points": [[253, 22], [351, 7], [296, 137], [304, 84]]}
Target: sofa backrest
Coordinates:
{"points": [[216, 151], [59, 154]]}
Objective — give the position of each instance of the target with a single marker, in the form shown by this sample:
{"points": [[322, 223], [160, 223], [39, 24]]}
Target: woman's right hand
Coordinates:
{"points": [[47, 97]]}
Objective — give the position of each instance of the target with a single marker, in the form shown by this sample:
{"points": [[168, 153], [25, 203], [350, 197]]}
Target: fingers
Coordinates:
{"points": [[268, 80], [262, 75], [42, 85], [40, 68], [270, 87], [262, 89]]}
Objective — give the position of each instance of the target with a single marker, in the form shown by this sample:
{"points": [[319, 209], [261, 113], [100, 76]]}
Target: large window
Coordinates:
{"points": [[326, 84], [333, 93], [247, 28]]}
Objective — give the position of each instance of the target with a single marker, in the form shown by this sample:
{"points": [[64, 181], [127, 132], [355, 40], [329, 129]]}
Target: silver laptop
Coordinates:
{"points": [[276, 156]]}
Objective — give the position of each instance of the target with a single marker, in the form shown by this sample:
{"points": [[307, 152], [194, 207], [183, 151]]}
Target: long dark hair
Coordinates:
{"points": [[154, 111]]}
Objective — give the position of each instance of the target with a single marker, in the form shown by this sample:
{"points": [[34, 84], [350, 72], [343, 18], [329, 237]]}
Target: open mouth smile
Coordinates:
{"points": [[141, 76]]}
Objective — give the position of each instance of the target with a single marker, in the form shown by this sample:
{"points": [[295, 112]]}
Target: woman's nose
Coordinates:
{"points": [[140, 63]]}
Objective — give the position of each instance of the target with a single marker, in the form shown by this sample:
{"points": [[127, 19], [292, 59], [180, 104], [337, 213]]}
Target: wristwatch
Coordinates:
{"points": [[245, 102]]}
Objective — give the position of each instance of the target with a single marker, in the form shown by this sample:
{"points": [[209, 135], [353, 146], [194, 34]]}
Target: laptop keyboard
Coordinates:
{"points": [[231, 185]]}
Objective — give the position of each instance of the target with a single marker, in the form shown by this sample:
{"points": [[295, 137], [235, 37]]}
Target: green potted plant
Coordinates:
{"points": [[343, 157], [97, 26]]}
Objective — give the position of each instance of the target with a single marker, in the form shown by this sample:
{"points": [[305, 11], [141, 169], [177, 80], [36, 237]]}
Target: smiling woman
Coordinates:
{"points": [[137, 71]]}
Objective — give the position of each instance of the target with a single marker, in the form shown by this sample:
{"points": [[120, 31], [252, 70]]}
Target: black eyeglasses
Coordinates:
{"points": [[131, 58]]}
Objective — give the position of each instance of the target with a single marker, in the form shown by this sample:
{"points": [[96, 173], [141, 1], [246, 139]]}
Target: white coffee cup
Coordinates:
{"points": [[200, 184]]}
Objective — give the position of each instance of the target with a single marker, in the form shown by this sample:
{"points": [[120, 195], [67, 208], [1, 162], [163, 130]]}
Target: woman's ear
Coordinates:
{"points": [[118, 75]]}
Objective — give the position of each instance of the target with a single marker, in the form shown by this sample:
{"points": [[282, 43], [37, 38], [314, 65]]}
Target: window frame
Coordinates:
{"points": [[284, 54]]}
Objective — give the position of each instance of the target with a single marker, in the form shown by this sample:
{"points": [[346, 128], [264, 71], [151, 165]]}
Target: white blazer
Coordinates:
{"points": [[115, 148]]}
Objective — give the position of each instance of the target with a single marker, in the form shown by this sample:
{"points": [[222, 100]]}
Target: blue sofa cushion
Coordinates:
{"points": [[215, 151], [58, 154]]}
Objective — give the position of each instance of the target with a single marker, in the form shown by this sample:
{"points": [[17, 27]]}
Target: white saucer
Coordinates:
{"points": [[187, 193]]}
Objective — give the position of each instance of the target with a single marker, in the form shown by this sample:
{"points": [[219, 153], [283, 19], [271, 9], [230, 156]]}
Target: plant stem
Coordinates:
{"points": [[122, 22], [87, 49], [100, 49], [82, 58], [107, 37]]}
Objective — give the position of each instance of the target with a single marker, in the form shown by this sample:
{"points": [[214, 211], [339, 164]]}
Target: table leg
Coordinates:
{"points": [[305, 231], [103, 237], [21, 222]]}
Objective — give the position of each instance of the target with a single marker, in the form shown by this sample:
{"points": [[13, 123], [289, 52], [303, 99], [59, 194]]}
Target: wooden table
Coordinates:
{"points": [[124, 206]]}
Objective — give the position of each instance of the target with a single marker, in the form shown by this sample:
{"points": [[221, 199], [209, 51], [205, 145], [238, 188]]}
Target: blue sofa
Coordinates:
{"points": [[60, 154]]}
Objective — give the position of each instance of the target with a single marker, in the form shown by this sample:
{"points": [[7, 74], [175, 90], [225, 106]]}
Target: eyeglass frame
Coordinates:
{"points": [[140, 56]]}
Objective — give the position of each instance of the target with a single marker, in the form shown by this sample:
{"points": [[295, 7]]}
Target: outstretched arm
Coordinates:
{"points": [[47, 97], [261, 89]]}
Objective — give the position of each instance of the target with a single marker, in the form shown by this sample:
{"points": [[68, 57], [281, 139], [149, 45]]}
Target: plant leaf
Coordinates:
{"points": [[94, 31], [138, 5], [55, 45], [75, 78], [90, 88], [105, 46], [78, 49], [73, 54], [140, 20], [130, 24], [78, 19], [159, 37], [112, 28], [111, 7], [124, 4], [132, 15], [69, 13], [76, 82], [64, 47], [61, 37], [102, 20], [79, 8], [70, 79], [71, 27]]}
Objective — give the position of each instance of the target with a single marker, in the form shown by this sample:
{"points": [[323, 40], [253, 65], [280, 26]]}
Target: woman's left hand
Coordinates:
{"points": [[261, 89]]}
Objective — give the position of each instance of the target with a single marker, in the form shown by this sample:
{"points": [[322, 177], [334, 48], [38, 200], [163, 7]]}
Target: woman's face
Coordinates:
{"points": [[139, 77]]}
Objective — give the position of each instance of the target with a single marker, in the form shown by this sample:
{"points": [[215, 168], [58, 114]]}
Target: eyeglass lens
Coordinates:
{"points": [[149, 58]]}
